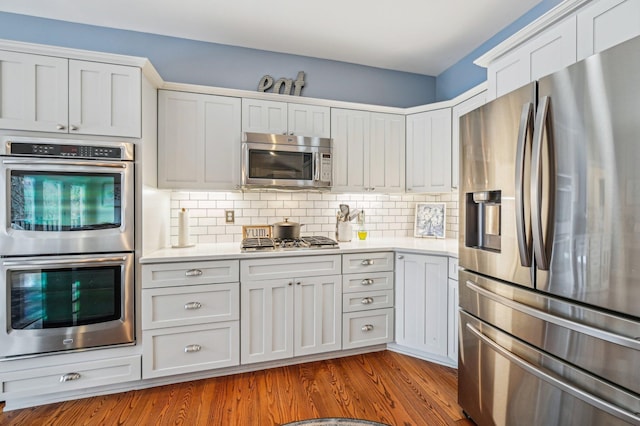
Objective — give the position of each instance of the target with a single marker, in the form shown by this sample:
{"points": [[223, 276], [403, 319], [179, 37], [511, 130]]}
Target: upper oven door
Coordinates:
{"points": [[60, 206], [265, 165]]}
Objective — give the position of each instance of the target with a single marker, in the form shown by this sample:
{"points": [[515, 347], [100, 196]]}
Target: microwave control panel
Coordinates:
{"points": [[65, 151], [325, 168]]}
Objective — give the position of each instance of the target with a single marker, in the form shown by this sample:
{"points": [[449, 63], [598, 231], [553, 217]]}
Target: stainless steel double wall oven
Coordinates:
{"points": [[66, 245]]}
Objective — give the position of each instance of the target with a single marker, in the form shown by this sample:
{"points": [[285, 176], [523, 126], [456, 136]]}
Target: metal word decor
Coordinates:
{"points": [[282, 85]]}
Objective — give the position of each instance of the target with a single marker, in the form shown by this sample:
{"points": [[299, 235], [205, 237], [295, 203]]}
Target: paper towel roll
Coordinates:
{"points": [[183, 228]]}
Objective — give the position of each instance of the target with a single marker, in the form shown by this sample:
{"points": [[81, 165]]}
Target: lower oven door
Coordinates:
{"points": [[504, 381], [58, 303]]}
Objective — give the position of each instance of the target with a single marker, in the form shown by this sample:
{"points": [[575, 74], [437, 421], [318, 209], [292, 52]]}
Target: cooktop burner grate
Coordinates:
{"points": [[265, 244]]}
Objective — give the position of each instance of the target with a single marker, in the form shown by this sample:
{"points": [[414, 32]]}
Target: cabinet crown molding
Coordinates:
{"points": [[561, 11]]}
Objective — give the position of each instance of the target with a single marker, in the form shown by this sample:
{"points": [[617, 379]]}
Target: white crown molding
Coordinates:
{"points": [[85, 55], [554, 15]]}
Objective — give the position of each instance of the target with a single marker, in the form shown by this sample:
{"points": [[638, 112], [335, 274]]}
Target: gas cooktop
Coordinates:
{"points": [[273, 244]]}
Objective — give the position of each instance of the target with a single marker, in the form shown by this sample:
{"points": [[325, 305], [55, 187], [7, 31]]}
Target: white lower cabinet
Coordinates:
{"points": [[367, 328], [421, 304], [292, 315], [190, 317], [67, 377]]}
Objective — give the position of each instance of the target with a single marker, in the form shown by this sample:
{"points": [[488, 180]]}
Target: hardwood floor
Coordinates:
{"points": [[384, 386]]}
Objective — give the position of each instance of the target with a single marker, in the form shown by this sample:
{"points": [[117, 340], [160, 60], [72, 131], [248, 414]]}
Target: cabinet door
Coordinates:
{"points": [[33, 92], [260, 116], [104, 99], [266, 320], [605, 23], [386, 153], [309, 120], [421, 303], [350, 132], [318, 315], [198, 141], [552, 50], [428, 158], [452, 321], [458, 111]]}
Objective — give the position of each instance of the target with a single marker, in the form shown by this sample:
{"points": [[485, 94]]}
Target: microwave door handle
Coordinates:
{"points": [[523, 148], [316, 166], [542, 239], [34, 161], [64, 262]]}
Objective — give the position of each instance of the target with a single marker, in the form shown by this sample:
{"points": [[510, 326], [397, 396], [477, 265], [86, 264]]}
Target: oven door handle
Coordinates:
{"points": [[32, 161], [64, 261]]}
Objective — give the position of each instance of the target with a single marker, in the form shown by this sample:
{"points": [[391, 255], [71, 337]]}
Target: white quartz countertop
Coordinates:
{"points": [[446, 247]]}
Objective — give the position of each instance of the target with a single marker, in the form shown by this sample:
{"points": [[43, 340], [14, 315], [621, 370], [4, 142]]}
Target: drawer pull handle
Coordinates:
{"points": [[193, 273], [367, 281], [192, 305], [367, 262], [367, 327], [69, 377], [192, 348], [367, 300]]}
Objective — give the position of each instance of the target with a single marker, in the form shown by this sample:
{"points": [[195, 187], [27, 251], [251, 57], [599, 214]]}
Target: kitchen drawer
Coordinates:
{"points": [[178, 350], [190, 305], [189, 273], [367, 300], [66, 377], [367, 281], [453, 268], [367, 262], [289, 267], [367, 328]]}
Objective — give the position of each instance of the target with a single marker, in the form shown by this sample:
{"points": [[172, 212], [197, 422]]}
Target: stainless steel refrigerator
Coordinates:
{"points": [[550, 249]]}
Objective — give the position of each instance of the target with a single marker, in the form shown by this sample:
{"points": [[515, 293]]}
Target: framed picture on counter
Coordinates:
{"points": [[430, 220]]}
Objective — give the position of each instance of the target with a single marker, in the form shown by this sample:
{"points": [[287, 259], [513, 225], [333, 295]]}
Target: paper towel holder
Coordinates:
{"points": [[183, 230]]}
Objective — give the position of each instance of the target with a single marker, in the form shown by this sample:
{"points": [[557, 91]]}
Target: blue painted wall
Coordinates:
{"points": [[187, 61], [464, 75]]}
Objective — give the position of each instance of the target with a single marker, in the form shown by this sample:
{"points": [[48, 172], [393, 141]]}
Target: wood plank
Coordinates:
{"points": [[383, 386]]}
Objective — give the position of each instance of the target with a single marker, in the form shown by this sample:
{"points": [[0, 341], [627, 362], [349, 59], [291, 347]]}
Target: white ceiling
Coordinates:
{"points": [[420, 36]]}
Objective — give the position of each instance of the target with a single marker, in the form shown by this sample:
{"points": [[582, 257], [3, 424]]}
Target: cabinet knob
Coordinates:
{"points": [[367, 301], [193, 273], [367, 262], [408, 189], [298, 283], [61, 127], [290, 133], [69, 377], [367, 327], [290, 282], [401, 257], [192, 305], [73, 128], [367, 281], [372, 189], [192, 348]]}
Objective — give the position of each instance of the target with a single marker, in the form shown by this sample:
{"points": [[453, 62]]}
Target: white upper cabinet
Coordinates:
{"points": [[458, 111], [104, 99], [198, 141], [51, 94], [428, 157], [544, 54], [605, 23], [260, 116], [33, 92], [368, 151]]}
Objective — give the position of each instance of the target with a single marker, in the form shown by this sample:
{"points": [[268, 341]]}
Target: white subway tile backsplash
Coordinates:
{"points": [[386, 215]]}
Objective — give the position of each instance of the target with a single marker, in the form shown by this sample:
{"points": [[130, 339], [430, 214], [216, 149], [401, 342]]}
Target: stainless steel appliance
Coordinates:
{"points": [[273, 244], [289, 162], [65, 196], [57, 303], [66, 245], [549, 244]]}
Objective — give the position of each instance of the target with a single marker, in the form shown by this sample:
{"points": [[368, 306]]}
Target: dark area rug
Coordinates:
{"points": [[335, 422]]}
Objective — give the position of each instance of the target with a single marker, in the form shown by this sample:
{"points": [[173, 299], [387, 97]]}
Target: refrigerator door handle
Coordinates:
{"points": [[523, 232], [542, 241], [555, 380]]}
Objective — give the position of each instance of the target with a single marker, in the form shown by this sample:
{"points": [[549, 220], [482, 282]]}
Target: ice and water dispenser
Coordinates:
{"points": [[483, 220]]}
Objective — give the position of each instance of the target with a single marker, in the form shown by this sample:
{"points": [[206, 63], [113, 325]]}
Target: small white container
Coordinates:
{"points": [[345, 231]]}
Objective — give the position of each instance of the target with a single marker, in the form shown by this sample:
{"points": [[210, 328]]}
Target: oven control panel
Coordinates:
{"points": [[66, 150]]}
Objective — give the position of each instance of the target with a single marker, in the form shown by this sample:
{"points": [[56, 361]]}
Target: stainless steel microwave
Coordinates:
{"points": [[288, 162]]}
